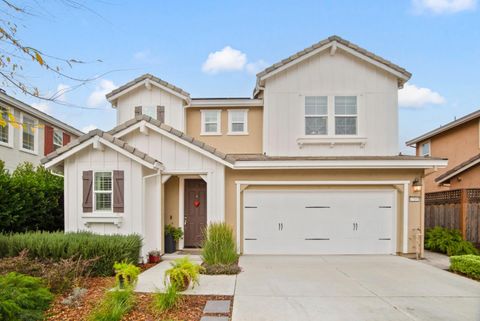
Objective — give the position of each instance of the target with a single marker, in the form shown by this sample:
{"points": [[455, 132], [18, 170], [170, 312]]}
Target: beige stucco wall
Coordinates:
{"points": [[235, 144], [415, 208], [458, 145]]}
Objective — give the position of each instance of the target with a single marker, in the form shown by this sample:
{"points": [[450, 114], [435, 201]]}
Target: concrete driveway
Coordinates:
{"points": [[351, 288]]}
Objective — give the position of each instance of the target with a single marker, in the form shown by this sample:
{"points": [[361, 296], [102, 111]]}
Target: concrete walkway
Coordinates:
{"points": [[437, 260], [351, 288], [152, 279]]}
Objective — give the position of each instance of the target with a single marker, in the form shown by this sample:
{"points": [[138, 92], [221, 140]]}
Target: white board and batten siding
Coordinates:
{"points": [[326, 75], [181, 160], [141, 96]]}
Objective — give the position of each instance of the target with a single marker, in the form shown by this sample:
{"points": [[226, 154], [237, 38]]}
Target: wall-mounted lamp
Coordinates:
{"points": [[417, 185]]}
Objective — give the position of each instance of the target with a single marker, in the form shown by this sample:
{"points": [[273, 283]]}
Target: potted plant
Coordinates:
{"points": [[154, 256], [172, 235], [126, 274], [182, 273]]}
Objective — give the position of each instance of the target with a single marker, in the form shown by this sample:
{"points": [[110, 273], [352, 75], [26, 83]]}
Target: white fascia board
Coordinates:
{"points": [[174, 138], [332, 182], [332, 164], [89, 142], [226, 103], [464, 168], [344, 48], [113, 98]]}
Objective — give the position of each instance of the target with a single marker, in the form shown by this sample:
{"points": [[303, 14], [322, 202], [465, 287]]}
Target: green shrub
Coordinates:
{"points": [[448, 241], [164, 301], [219, 252], [30, 199], [466, 264], [23, 298], [126, 274], [114, 305], [176, 232], [58, 245], [182, 273]]}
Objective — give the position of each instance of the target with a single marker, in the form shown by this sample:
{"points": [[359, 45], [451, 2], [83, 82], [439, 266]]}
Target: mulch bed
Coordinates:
{"points": [[190, 307]]}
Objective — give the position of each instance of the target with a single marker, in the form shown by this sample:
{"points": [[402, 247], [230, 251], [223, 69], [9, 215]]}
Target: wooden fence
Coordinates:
{"points": [[455, 209]]}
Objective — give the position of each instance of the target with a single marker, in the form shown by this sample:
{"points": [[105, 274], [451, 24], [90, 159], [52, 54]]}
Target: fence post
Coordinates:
{"points": [[463, 212]]}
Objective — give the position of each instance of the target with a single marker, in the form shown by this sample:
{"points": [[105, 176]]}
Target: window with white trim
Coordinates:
{"points": [[103, 191], [28, 133], [4, 126], [316, 115], [425, 149], [211, 122], [57, 139], [237, 122], [345, 115], [150, 111]]}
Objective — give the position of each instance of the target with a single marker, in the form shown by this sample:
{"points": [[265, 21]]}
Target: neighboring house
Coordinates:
{"points": [[308, 165], [27, 134], [459, 141]]}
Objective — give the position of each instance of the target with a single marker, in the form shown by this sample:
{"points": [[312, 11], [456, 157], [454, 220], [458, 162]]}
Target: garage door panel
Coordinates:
{"points": [[318, 222]]}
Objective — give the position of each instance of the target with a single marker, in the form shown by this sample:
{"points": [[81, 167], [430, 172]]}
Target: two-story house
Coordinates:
{"points": [[459, 141], [28, 134], [308, 165]]}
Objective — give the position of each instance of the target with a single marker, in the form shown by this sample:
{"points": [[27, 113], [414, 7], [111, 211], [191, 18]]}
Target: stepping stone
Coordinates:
{"points": [[208, 318], [217, 306]]}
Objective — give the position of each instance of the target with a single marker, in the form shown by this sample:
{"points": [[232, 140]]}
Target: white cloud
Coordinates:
{"points": [[443, 6], [88, 128], [42, 106], [254, 67], [97, 97], [61, 93], [227, 59], [412, 96]]}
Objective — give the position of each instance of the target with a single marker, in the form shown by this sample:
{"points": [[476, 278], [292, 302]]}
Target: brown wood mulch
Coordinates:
{"points": [[190, 307]]}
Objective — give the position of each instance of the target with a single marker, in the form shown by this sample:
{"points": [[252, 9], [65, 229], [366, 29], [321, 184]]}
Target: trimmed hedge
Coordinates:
{"points": [[58, 245], [466, 264], [448, 241]]}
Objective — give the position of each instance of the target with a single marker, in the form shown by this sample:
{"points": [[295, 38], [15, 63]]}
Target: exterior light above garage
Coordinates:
{"points": [[417, 185]]}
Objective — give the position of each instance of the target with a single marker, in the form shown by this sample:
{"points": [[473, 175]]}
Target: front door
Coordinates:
{"points": [[195, 219]]}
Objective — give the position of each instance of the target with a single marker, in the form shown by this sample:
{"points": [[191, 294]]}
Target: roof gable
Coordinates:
{"points": [[332, 43]]}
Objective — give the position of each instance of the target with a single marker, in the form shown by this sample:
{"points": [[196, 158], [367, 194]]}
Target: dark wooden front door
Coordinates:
{"points": [[195, 212]]}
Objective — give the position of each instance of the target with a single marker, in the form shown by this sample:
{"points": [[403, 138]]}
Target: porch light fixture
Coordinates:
{"points": [[417, 185]]}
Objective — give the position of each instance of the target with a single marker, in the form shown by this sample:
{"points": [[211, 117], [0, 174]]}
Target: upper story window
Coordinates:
{"points": [[103, 191], [345, 115], [425, 149], [316, 115], [5, 134], [156, 112], [28, 133], [57, 139], [211, 122], [238, 122]]}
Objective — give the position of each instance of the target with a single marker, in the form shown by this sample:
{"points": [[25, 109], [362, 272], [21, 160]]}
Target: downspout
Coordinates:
{"points": [[55, 174]]}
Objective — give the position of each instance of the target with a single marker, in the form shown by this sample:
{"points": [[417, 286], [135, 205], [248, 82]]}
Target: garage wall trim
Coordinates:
{"points": [[244, 184]]}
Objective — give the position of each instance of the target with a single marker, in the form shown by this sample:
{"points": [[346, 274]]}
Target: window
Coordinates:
{"points": [[4, 125], [425, 149], [103, 191], [57, 139], [316, 115], [237, 122], [150, 111], [345, 115], [28, 133], [210, 122]]}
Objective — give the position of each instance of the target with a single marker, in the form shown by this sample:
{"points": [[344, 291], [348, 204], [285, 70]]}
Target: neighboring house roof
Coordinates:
{"points": [[20, 105], [177, 133], [441, 129], [105, 138], [458, 169], [147, 79], [334, 41]]}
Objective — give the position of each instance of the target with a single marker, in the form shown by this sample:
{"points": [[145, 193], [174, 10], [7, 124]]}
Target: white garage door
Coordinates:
{"points": [[319, 222]]}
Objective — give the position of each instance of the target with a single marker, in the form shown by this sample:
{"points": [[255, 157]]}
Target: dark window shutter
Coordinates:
{"points": [[138, 111], [87, 202], [161, 113], [66, 139], [118, 192], [48, 140]]}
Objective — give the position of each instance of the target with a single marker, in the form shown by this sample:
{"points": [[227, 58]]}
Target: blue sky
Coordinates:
{"points": [[438, 41]]}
